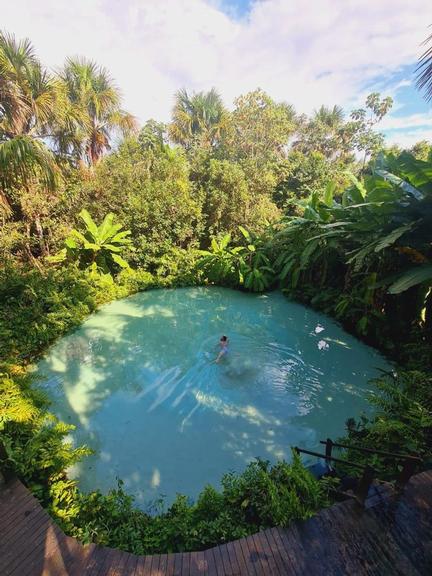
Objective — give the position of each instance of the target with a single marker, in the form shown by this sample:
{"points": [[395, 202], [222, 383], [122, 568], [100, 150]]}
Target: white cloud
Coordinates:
{"points": [[408, 138], [402, 122], [307, 52]]}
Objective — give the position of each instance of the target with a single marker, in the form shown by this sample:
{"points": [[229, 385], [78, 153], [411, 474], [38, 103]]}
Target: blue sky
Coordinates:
{"points": [[236, 8], [305, 52]]}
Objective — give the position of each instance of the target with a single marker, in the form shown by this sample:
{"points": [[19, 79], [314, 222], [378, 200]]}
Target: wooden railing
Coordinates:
{"points": [[409, 465]]}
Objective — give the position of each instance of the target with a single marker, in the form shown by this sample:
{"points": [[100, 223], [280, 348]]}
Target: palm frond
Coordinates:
{"points": [[424, 70], [23, 157]]}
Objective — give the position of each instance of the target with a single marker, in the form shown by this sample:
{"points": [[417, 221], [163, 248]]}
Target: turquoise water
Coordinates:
{"points": [[138, 382]]}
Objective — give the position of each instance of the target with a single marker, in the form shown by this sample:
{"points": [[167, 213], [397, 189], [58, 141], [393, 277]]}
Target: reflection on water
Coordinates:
{"points": [[139, 381]]}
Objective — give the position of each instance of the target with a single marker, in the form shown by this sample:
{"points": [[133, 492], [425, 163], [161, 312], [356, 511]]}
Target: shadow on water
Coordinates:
{"points": [[137, 380]]}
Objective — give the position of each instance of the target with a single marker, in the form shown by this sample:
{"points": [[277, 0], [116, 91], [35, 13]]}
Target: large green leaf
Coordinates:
{"points": [[106, 228], [358, 192], [71, 243], [360, 254], [121, 237], [119, 260], [245, 233], [393, 236], [405, 186], [411, 278], [330, 233], [80, 236], [90, 223], [329, 193], [225, 241], [111, 248], [417, 172], [92, 246], [307, 253]]}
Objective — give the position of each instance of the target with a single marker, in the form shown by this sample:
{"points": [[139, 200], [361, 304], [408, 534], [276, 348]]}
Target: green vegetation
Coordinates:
{"points": [[261, 496], [257, 198], [98, 247]]}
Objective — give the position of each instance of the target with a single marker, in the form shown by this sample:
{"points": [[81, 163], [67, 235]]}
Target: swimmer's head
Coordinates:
{"points": [[224, 339]]}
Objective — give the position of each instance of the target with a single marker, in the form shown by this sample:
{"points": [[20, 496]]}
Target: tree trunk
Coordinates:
{"points": [[40, 234]]}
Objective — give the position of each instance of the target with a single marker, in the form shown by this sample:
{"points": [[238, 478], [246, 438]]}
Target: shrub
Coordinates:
{"points": [[261, 496], [402, 422]]}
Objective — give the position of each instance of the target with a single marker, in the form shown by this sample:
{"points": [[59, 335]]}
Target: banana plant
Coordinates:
{"points": [[220, 263], [96, 246], [380, 229], [240, 266], [255, 269]]}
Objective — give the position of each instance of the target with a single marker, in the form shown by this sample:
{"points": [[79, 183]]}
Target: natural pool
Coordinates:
{"points": [[138, 382]]}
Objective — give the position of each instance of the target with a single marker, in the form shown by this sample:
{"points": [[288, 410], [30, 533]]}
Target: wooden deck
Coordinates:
{"points": [[393, 536]]}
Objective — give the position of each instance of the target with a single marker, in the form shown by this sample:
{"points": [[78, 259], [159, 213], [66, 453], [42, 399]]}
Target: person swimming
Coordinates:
{"points": [[223, 343]]}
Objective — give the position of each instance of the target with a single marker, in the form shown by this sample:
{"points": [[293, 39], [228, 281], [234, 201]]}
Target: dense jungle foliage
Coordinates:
{"points": [[94, 208]]}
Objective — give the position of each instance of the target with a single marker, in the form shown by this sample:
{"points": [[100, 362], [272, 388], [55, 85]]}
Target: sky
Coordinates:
{"points": [[305, 52]]}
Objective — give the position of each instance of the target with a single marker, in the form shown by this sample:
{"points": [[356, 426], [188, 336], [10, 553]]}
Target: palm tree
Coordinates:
{"points": [[28, 101], [200, 117], [424, 70], [332, 118], [90, 90], [325, 132]]}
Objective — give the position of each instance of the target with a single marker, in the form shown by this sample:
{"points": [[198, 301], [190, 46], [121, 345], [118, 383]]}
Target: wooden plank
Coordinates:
{"points": [[37, 557], [170, 565], [100, 555], [23, 520], [13, 487], [336, 552], [282, 566], [28, 543], [87, 563], [226, 562], [393, 536], [17, 509], [366, 551], [163, 563], [198, 564], [57, 557], [220, 569], [178, 562], [109, 558], [185, 564], [310, 535], [235, 566], [8, 488], [10, 505], [397, 544], [265, 556], [147, 565], [240, 558], [284, 553], [249, 561], [131, 565], [292, 544], [139, 568], [117, 566], [154, 569], [211, 564]]}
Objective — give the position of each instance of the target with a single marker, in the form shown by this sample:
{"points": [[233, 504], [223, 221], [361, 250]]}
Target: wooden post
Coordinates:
{"points": [[407, 471], [329, 448], [365, 481]]}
